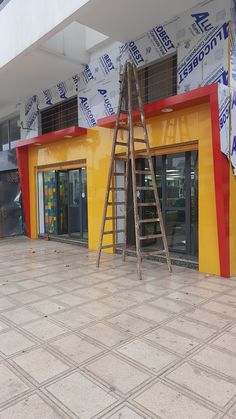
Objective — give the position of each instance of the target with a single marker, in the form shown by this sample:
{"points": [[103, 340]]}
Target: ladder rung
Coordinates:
{"points": [[114, 231], [118, 217], [147, 204], [121, 144], [154, 253], [123, 128], [149, 220], [151, 236], [139, 140], [141, 156], [112, 245], [116, 189], [124, 111], [116, 203], [145, 188], [119, 174], [143, 172], [138, 124]]}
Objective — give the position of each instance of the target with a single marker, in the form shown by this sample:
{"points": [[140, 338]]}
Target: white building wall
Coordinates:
{"points": [[26, 23], [201, 38]]}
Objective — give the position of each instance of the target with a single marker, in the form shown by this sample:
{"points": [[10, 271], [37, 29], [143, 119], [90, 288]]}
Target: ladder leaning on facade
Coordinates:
{"points": [[129, 94]]}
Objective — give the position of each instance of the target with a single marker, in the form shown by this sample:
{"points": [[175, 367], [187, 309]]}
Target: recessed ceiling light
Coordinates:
{"points": [[67, 136], [167, 110]]}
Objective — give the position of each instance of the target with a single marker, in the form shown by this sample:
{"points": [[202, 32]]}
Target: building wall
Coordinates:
{"points": [[168, 133], [232, 218]]}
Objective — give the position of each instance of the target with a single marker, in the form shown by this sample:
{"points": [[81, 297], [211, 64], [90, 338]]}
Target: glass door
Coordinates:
{"points": [[78, 221], [62, 202], [177, 183]]}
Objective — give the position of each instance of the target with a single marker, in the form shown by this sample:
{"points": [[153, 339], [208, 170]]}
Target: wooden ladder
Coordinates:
{"points": [[116, 198]]}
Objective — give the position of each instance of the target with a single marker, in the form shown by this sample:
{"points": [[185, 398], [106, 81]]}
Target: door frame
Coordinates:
{"points": [[65, 169]]}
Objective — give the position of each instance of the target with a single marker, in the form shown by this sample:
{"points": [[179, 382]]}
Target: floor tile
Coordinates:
{"points": [[137, 296], [213, 286], [84, 398], [186, 297], [169, 305], [44, 329], [90, 293], [191, 328], [13, 341], [20, 315], [170, 340], [150, 313], [76, 348], [201, 292], [227, 342], [220, 308], [10, 385], [48, 291], [48, 306], [5, 303], [3, 326], [118, 302], [9, 288], [130, 324], [119, 375], [167, 403], [32, 407], [227, 299], [126, 413], [30, 284], [206, 385], [105, 334], [231, 413], [26, 297], [97, 309], [217, 360], [70, 299], [110, 287], [210, 319], [147, 355], [40, 364], [72, 318]]}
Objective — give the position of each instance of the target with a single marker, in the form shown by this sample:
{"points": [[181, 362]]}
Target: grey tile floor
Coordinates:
{"points": [[82, 342]]}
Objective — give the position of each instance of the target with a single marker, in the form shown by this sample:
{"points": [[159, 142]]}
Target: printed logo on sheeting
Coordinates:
{"points": [[157, 43], [61, 91], [227, 118], [87, 115], [30, 120], [203, 60], [203, 18], [224, 117], [233, 130]]}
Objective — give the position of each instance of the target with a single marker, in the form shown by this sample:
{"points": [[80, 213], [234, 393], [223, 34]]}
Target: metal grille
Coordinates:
{"points": [[9, 177], [60, 116]]}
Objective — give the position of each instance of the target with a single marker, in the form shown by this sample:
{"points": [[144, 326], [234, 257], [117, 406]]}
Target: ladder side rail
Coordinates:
{"points": [[133, 169], [126, 185], [154, 184], [111, 167]]}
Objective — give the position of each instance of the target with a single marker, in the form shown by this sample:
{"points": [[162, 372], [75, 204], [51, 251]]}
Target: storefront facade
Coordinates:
{"points": [[195, 180]]}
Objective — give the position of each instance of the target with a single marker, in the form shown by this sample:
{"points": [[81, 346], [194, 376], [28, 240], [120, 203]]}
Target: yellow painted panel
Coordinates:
{"points": [[232, 221], [191, 125]]}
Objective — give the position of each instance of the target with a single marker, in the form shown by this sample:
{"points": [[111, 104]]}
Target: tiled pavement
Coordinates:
{"points": [[81, 342]]}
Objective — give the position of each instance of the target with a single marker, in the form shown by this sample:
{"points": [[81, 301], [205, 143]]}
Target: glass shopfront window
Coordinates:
{"points": [[64, 207], [177, 183]]}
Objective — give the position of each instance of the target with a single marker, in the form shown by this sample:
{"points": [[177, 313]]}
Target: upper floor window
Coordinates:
{"points": [[9, 131], [159, 80], [62, 115]]}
